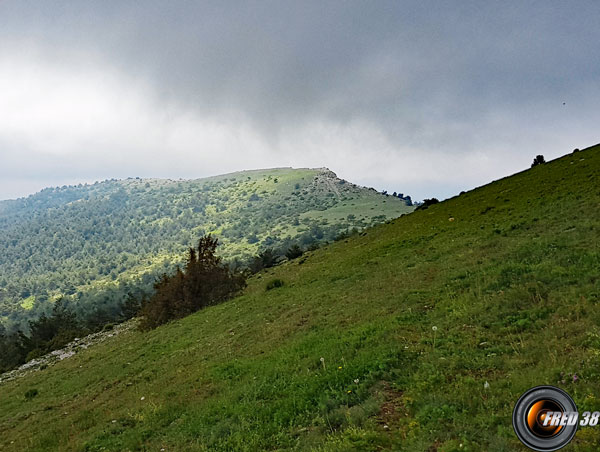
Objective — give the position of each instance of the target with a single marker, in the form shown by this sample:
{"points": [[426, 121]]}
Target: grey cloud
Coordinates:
{"points": [[437, 78]]}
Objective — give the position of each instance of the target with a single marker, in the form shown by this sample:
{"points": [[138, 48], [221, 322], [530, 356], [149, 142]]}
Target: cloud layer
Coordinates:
{"points": [[426, 98]]}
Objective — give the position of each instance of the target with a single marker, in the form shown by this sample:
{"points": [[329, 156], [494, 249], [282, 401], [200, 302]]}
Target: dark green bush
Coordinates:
{"points": [[293, 252], [427, 203], [274, 283], [31, 393]]}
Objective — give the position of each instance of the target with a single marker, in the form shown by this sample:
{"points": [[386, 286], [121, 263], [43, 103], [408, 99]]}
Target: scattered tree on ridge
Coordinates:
{"points": [[538, 160]]}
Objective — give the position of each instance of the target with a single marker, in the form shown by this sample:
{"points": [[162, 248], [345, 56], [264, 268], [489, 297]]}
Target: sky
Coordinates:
{"points": [[427, 98]]}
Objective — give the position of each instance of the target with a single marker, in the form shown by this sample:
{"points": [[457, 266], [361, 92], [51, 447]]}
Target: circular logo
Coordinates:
{"points": [[545, 418]]}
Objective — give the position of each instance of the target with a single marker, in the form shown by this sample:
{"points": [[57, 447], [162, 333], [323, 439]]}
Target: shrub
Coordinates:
{"points": [[427, 203], [293, 252], [31, 393], [313, 246], [274, 283]]}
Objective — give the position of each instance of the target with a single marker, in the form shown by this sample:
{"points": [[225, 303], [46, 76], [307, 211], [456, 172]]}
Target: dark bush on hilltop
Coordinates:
{"points": [[427, 203], [538, 160], [294, 252], [204, 281]]}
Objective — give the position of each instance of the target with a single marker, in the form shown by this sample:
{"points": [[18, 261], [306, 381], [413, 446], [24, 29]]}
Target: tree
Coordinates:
{"points": [[130, 307], [265, 259], [293, 252], [316, 232], [538, 160], [51, 333], [12, 352], [204, 281]]}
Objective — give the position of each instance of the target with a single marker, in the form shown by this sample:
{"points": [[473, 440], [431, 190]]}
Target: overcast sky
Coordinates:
{"points": [[425, 98]]}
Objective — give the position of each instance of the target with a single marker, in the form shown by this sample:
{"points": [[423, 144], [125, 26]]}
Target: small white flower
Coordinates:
{"points": [[434, 328], [486, 385], [143, 398], [356, 380], [322, 360]]}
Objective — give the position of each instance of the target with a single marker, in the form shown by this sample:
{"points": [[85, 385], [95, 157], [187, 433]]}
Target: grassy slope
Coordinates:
{"points": [[511, 284]]}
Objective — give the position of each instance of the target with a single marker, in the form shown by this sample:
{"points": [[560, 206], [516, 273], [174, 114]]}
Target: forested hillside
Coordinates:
{"points": [[94, 244]]}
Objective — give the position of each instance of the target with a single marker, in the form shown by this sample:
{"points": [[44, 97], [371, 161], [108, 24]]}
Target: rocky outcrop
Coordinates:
{"points": [[328, 182]]}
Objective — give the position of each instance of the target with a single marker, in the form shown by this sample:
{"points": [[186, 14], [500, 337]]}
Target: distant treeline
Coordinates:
{"points": [[407, 199]]}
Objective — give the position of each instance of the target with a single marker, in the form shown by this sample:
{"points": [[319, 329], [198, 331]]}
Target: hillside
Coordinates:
{"points": [[416, 335], [95, 243]]}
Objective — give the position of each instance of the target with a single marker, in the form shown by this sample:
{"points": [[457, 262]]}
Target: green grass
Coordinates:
{"points": [[507, 273]]}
